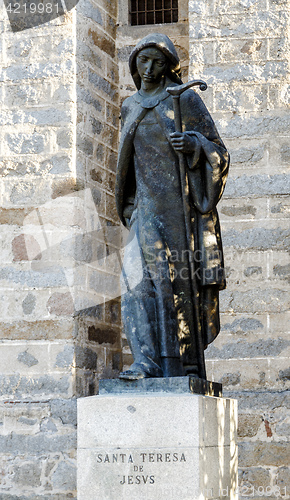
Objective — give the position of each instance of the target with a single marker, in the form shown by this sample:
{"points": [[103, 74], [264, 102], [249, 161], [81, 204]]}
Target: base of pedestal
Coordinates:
{"points": [[155, 446], [177, 385]]}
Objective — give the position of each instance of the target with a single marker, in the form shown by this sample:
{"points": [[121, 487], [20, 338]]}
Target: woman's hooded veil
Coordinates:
{"points": [[165, 45]]}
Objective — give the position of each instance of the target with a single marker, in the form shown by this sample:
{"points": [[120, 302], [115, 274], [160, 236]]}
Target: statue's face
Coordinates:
{"points": [[151, 65]]}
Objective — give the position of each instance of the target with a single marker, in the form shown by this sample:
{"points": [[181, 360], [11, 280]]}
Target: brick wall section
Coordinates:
{"points": [[59, 322], [242, 50]]}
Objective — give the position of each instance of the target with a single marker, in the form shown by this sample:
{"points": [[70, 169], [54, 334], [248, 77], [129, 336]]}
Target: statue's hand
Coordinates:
{"points": [[183, 143], [127, 214]]}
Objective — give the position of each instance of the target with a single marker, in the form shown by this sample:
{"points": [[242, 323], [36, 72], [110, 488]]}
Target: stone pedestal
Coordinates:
{"points": [[156, 445]]}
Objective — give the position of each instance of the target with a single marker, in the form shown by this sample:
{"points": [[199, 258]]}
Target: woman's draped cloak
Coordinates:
{"points": [[157, 314]]}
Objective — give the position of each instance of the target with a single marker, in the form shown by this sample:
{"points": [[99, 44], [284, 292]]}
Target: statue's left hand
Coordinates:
{"points": [[183, 143]]}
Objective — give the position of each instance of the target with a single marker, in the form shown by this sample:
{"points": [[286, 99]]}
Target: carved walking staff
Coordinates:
{"points": [[176, 93]]}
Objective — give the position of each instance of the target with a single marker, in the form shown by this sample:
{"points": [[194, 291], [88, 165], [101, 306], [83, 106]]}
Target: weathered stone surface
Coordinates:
{"points": [[262, 453], [245, 349], [25, 247], [27, 358], [102, 41], [47, 278], [61, 304], [283, 478], [258, 185], [36, 330], [65, 410], [39, 443], [255, 477], [21, 387], [248, 424], [103, 85], [103, 334], [65, 357], [28, 475], [28, 304], [64, 477]]}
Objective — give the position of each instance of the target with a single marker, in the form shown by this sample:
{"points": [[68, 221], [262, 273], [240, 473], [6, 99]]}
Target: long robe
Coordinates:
{"points": [[157, 309]]}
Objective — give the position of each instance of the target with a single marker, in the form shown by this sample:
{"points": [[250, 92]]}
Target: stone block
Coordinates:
{"points": [[41, 386], [111, 26], [136, 447], [254, 478], [103, 86], [102, 41], [279, 322], [104, 283], [85, 144], [28, 475], [249, 425], [251, 126], [259, 24], [251, 374], [37, 329], [64, 476], [112, 115], [111, 159], [245, 98], [251, 346], [88, 10], [232, 7], [38, 444], [28, 358], [13, 216], [249, 155], [229, 50], [103, 334], [65, 410], [88, 55], [259, 453], [243, 208], [25, 143], [38, 70], [283, 479], [27, 95], [260, 400], [112, 70], [243, 325], [257, 238], [248, 185]]}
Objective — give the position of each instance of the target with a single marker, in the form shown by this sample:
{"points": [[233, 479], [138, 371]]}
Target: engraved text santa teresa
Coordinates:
{"points": [[171, 313]]}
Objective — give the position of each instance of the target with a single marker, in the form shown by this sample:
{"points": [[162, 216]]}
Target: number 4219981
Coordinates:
{"points": [[32, 8]]}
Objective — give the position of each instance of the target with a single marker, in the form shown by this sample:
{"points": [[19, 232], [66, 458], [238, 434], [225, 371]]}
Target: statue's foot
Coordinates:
{"points": [[133, 374]]}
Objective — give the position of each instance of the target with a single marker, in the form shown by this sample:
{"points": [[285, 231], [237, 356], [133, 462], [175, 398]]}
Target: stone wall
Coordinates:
{"points": [[59, 318], [242, 50], [98, 293]]}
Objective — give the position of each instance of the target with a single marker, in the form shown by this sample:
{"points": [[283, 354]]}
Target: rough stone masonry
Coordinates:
{"points": [[59, 325], [60, 86]]}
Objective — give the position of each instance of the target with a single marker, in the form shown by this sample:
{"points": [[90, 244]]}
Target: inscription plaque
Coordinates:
{"points": [[156, 446], [144, 475]]}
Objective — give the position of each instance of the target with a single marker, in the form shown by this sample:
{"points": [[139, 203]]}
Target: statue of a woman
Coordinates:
{"points": [[157, 309]]}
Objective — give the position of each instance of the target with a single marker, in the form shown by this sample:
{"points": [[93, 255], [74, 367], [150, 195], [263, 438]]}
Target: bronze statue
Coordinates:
{"points": [[167, 188]]}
